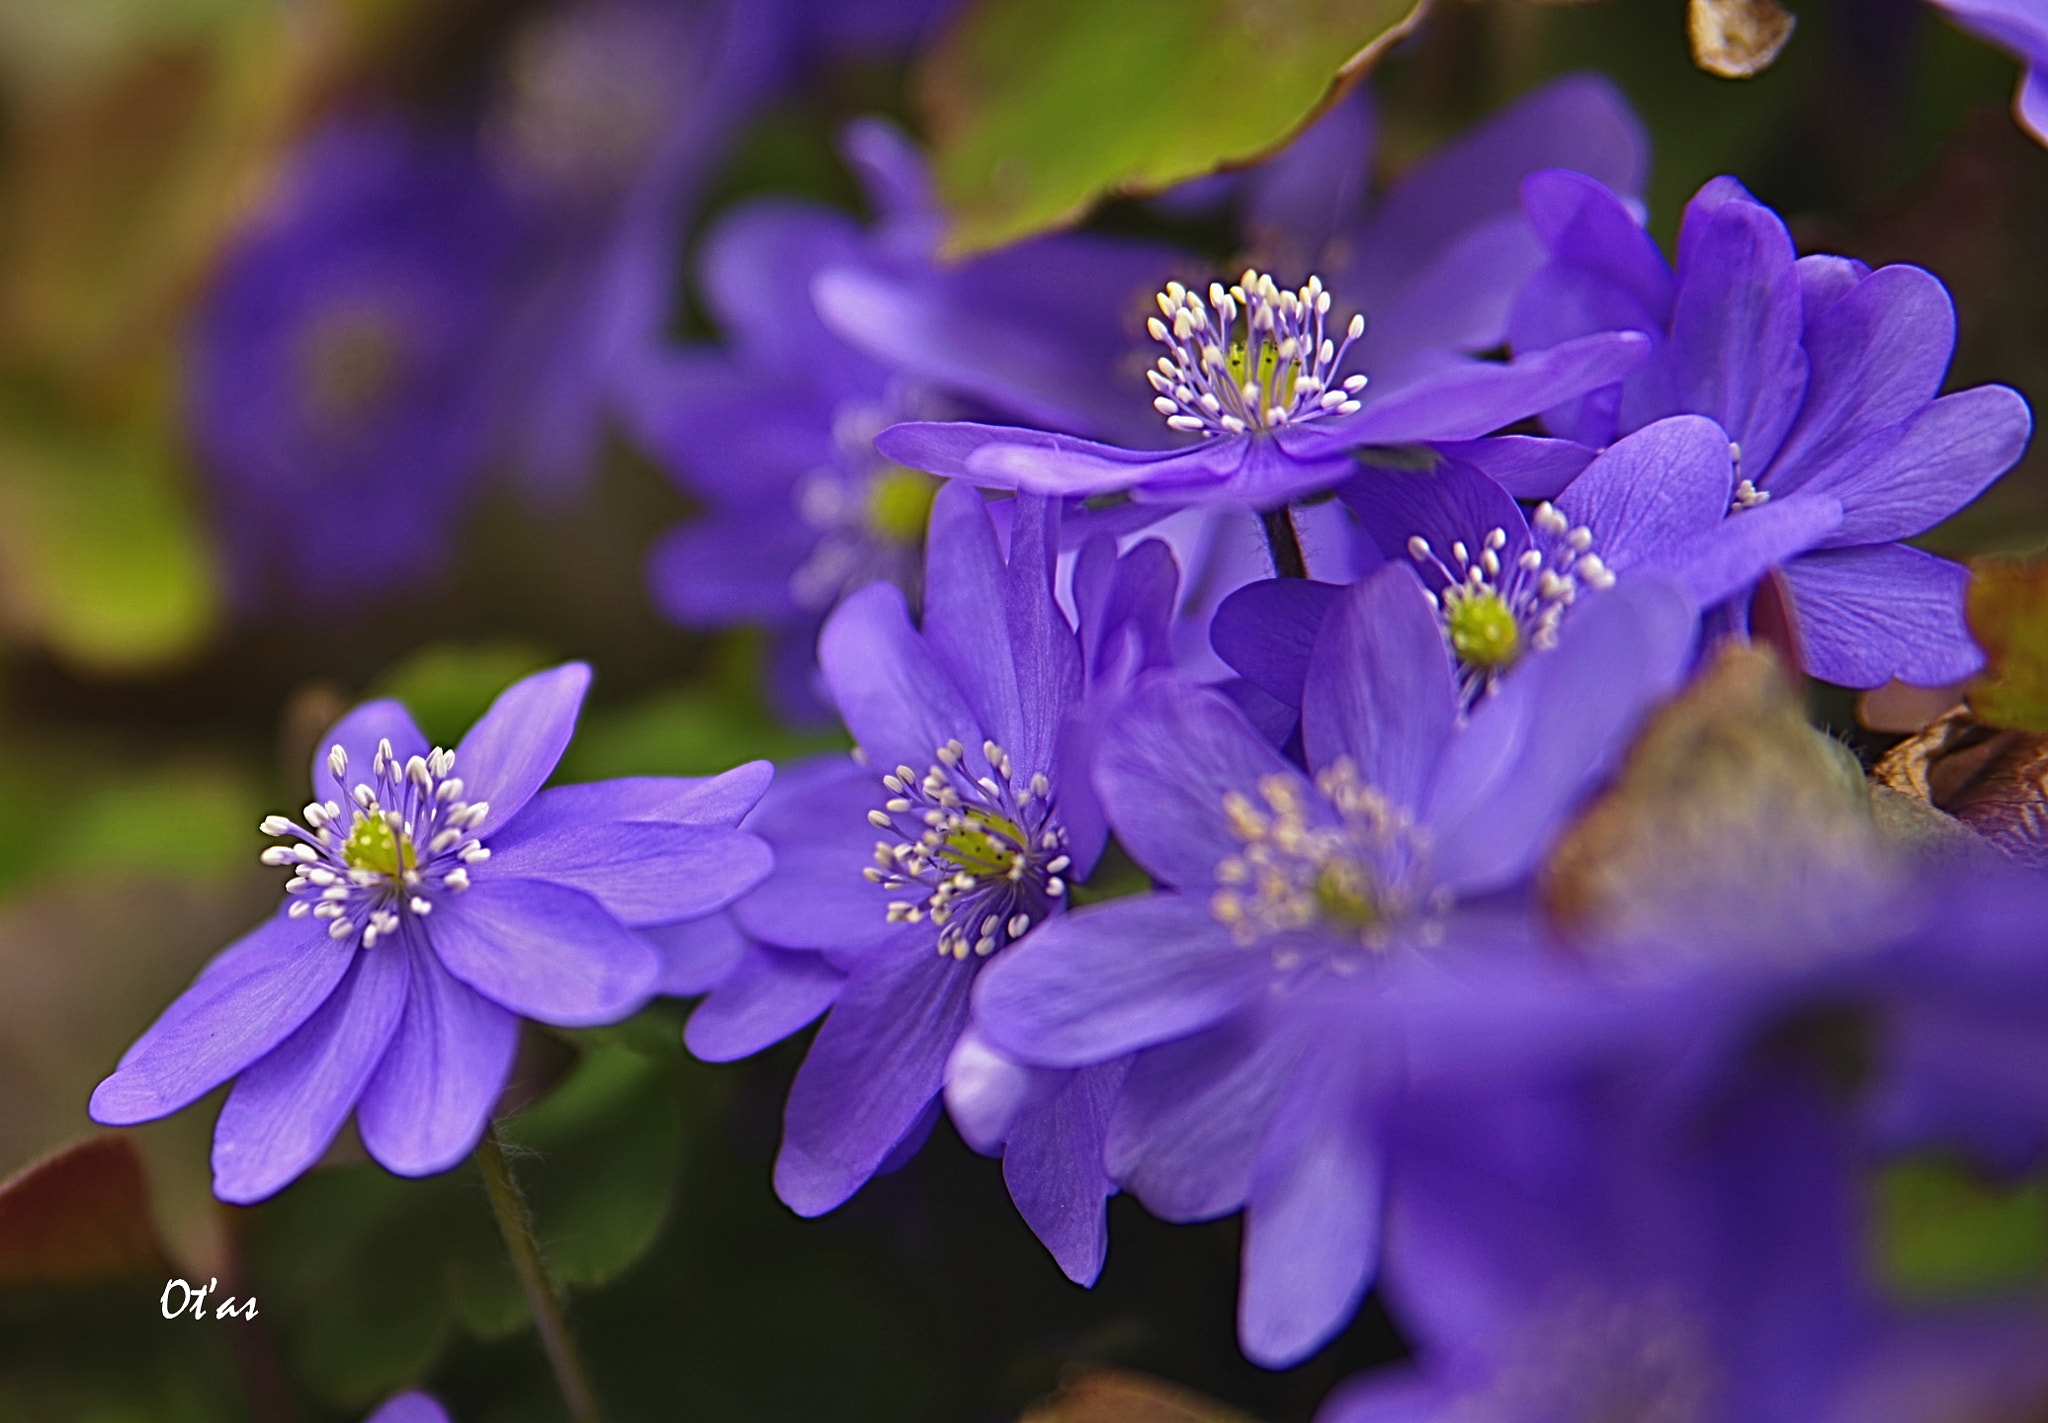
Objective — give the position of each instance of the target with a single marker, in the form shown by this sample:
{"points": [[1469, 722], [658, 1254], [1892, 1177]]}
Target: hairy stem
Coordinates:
{"points": [[1283, 543], [516, 1224]]}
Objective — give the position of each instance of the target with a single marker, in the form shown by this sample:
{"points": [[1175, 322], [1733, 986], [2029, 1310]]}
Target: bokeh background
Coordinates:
{"points": [[173, 639]]}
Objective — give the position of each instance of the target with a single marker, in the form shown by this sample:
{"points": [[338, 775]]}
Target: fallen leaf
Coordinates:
{"points": [[1991, 779], [1727, 806], [1736, 39], [1104, 1395], [2008, 613], [81, 1213]]}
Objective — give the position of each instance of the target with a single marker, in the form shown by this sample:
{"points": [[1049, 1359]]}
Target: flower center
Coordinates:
{"points": [[981, 857], [1279, 370], [1745, 494], [373, 845], [1500, 603], [1346, 865], [1483, 630], [870, 515], [412, 838], [900, 504], [350, 359]]}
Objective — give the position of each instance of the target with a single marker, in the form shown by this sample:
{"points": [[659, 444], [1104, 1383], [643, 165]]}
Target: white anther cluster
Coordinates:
{"points": [[981, 857], [1533, 586], [1281, 370], [1747, 496], [1345, 864], [410, 835]]}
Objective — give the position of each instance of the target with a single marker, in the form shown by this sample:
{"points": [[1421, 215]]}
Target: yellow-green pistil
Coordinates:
{"points": [[373, 845], [980, 857], [900, 504], [985, 844], [412, 838], [1299, 869], [1483, 631], [1278, 368]]}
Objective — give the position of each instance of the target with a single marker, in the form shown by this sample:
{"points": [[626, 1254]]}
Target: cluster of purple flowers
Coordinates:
{"points": [[1333, 620]]}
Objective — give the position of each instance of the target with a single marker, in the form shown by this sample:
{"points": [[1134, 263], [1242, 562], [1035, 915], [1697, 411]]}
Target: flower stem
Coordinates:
{"points": [[1283, 543], [516, 1224]]}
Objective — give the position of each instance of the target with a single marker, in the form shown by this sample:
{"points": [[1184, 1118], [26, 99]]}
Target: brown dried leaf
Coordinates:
{"points": [[1102, 1395], [81, 1213], [84, 968], [1736, 39], [1991, 779], [1727, 789], [2008, 613]]}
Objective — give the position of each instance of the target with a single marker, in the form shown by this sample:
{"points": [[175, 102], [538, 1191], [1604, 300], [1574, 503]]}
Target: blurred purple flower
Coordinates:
{"points": [[776, 433], [411, 1407], [427, 913], [1665, 1214], [2020, 26], [340, 388], [1435, 261], [1554, 1257], [1270, 989], [610, 117], [1825, 375], [1002, 702]]}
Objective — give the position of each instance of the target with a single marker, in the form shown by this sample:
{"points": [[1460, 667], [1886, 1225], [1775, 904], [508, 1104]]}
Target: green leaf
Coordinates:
{"points": [[619, 1118], [355, 1266], [371, 1274], [2008, 612], [104, 559], [447, 686], [1038, 108], [1946, 1233], [186, 820], [692, 731]]}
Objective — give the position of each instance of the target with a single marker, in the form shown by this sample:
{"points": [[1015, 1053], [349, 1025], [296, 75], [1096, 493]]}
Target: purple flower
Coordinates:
{"points": [[1555, 1258], [2020, 26], [755, 994], [1434, 262], [1666, 1217], [906, 881], [341, 362], [1505, 581], [1308, 918], [1825, 376], [1429, 274], [610, 116], [436, 898], [410, 1407], [1253, 374]]}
